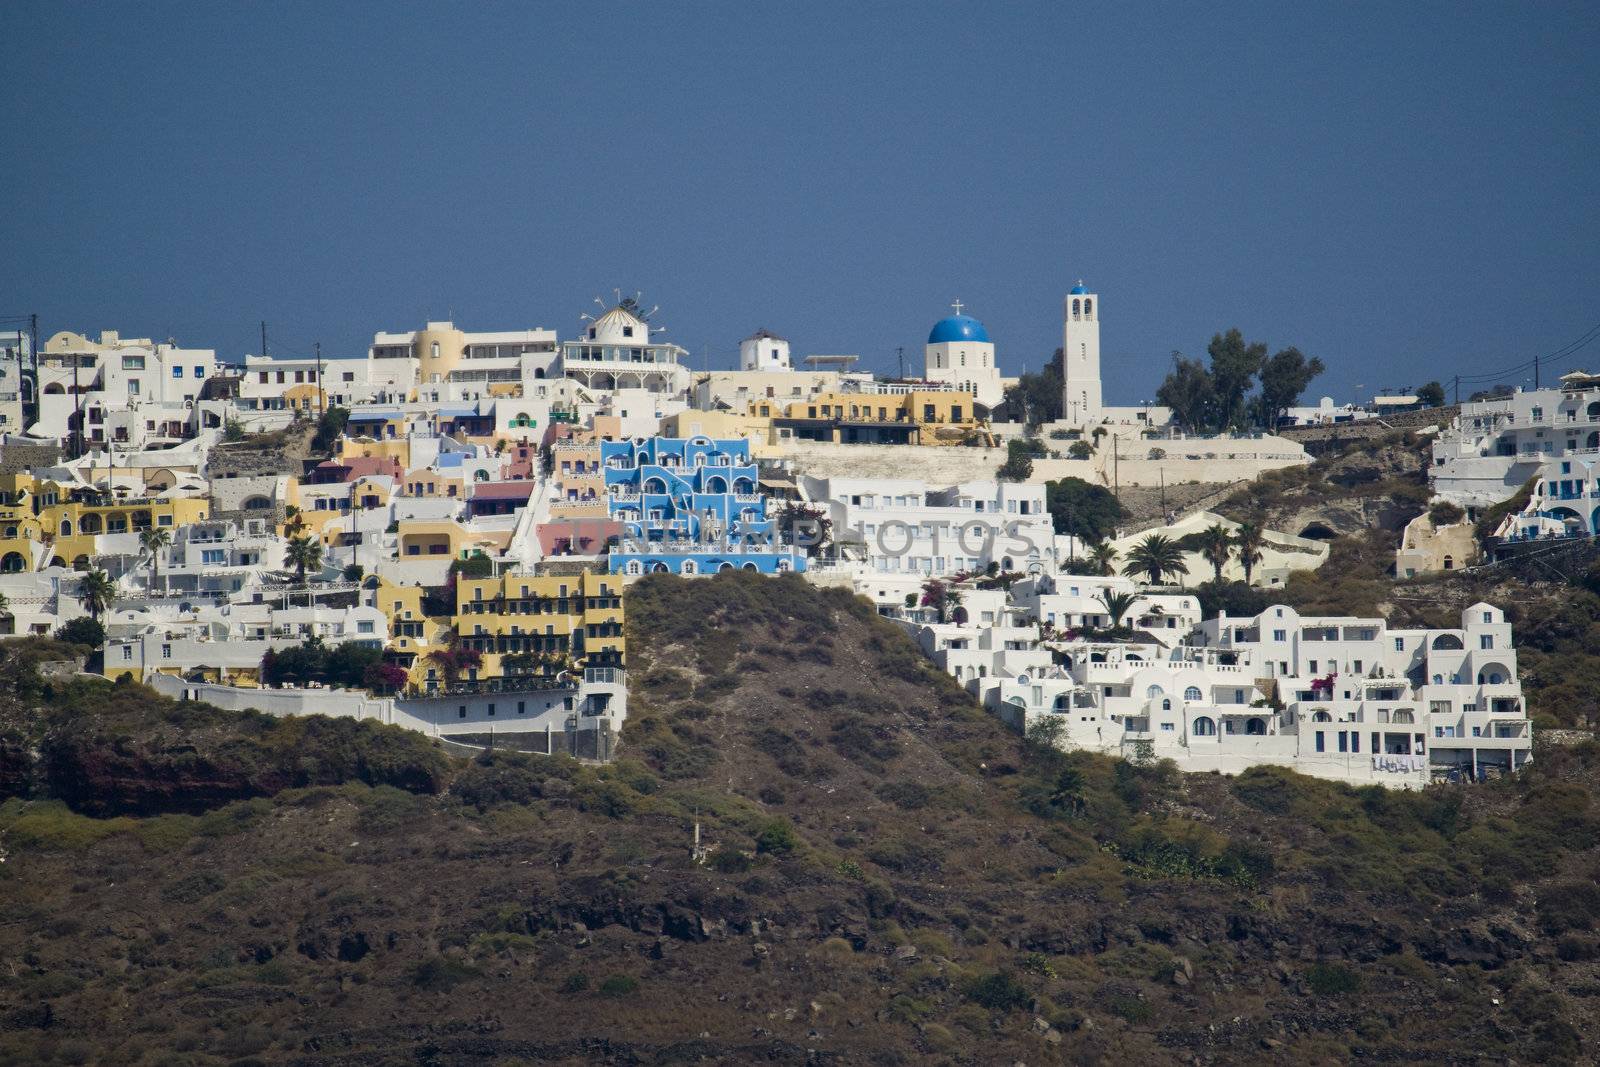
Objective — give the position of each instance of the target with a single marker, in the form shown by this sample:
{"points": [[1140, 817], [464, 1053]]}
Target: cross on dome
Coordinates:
{"points": [[957, 305]]}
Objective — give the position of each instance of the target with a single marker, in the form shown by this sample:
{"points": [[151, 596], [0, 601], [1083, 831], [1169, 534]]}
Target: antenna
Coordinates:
{"points": [[652, 311]]}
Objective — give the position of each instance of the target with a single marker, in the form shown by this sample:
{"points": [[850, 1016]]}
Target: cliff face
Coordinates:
{"points": [[885, 876]]}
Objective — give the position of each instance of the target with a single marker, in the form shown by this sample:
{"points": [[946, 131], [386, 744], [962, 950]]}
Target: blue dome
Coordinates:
{"points": [[1080, 288], [958, 328]]}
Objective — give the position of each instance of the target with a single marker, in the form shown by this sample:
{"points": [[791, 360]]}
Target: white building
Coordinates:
{"points": [[960, 354], [130, 391], [764, 351], [906, 526], [1343, 698], [1494, 446]]}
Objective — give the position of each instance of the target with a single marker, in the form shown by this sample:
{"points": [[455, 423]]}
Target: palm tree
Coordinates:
{"points": [[1156, 557], [1216, 545], [1069, 790], [1117, 605], [1104, 558], [97, 591], [304, 553], [153, 541], [1248, 542]]}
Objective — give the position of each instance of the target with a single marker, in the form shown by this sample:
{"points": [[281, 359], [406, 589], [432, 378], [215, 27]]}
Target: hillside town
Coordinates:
{"points": [[439, 534]]}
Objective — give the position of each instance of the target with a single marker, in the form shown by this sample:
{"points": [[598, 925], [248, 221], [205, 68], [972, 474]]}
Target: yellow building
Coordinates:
{"points": [[726, 426], [536, 626], [46, 524], [915, 417]]}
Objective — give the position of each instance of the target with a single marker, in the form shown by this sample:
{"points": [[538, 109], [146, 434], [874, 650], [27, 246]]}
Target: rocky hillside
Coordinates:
{"points": [[889, 877]]}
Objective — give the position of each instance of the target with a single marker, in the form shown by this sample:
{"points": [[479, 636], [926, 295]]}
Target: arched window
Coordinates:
{"points": [[1255, 727], [1321, 716], [750, 567], [1403, 715], [725, 567], [1154, 691], [66, 527], [12, 563], [1204, 726], [635, 567], [1166, 704], [1192, 693], [689, 567], [786, 565], [1449, 563], [1077, 306], [1088, 308]]}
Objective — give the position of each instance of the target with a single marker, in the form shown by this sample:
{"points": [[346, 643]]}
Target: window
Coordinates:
{"points": [[166, 651], [177, 372], [1280, 635], [199, 372], [522, 707], [1343, 743], [491, 709], [1486, 641], [461, 712], [364, 627], [133, 363], [127, 653], [1192, 693], [1321, 745], [1399, 644], [213, 556]]}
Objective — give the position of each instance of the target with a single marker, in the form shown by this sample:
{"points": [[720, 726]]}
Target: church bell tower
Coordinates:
{"points": [[1081, 403]]}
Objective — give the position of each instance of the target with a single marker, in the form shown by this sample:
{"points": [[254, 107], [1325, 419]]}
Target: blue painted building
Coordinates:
{"points": [[690, 506]]}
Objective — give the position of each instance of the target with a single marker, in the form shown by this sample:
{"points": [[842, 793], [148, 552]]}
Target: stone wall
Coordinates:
{"points": [[17, 458]]}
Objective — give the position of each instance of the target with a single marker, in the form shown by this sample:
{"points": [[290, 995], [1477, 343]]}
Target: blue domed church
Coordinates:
{"points": [[960, 354]]}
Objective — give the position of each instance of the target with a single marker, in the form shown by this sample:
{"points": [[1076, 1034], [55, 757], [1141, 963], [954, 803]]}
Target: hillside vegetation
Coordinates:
{"points": [[892, 877]]}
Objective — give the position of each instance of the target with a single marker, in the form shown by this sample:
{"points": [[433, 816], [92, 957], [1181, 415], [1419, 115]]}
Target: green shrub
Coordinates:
{"points": [[619, 985], [997, 991], [1332, 979], [576, 982], [438, 974], [776, 837], [1569, 906]]}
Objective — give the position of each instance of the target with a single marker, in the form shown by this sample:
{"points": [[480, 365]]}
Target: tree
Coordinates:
{"points": [[1189, 393], [806, 526], [1234, 365], [382, 677], [1080, 509], [1216, 545], [1035, 399], [98, 592], [304, 553], [1156, 557], [1018, 466], [329, 427], [1284, 378], [1104, 558], [153, 541], [347, 664], [455, 658], [1080, 450], [1431, 395], [297, 664], [1068, 793], [82, 631], [936, 595], [1117, 605], [1247, 541]]}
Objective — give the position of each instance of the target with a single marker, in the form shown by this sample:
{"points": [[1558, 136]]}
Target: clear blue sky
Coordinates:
{"points": [[1408, 191]]}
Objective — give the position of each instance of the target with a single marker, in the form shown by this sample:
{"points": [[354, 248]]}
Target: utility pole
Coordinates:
{"points": [[900, 353], [263, 338], [1536, 372], [77, 407], [1163, 493], [33, 352], [1458, 390], [322, 395], [1116, 469]]}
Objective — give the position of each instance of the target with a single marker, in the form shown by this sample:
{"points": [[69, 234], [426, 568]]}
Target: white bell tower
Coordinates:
{"points": [[1081, 403]]}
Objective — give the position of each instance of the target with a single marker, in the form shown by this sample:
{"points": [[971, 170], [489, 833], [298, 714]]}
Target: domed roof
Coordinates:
{"points": [[958, 328], [1080, 288]]}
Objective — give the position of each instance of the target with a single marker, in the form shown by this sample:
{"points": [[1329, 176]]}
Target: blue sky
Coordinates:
{"points": [[1407, 191]]}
